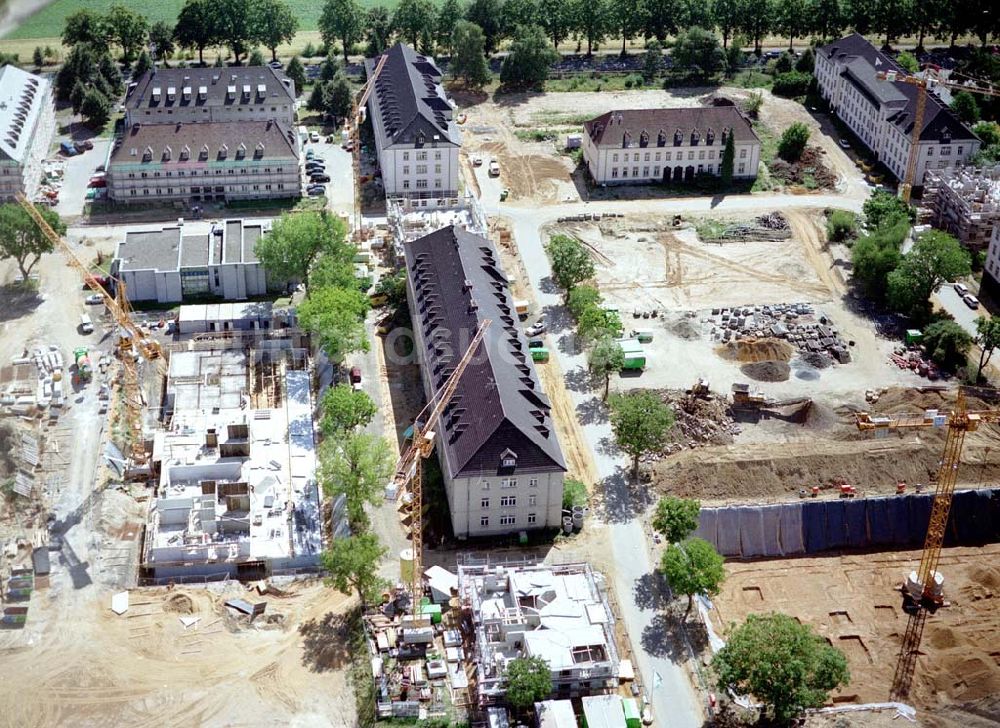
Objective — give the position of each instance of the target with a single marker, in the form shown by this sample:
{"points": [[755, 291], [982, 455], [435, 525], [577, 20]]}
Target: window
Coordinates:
{"points": [[437, 184], [624, 171], [406, 184], [645, 171], [532, 518], [421, 184], [614, 157], [742, 169], [508, 501], [691, 154], [437, 155], [406, 169], [635, 171], [508, 519], [614, 172], [711, 154], [646, 157], [484, 521], [701, 168], [701, 154], [421, 169], [959, 151], [437, 169], [508, 483], [656, 171], [533, 482], [945, 151], [421, 156], [743, 154], [406, 156], [484, 503], [666, 156], [636, 157], [508, 461], [657, 156], [532, 500]]}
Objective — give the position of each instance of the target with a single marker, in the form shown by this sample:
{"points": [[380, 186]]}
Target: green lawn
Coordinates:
{"points": [[48, 22]]}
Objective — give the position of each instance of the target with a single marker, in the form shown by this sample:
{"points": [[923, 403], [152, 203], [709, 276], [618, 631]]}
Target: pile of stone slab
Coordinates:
{"points": [[797, 323]]}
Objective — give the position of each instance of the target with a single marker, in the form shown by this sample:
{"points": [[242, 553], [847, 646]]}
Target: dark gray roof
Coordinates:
{"points": [[939, 121], [498, 404], [194, 251], [625, 128], [150, 249], [209, 87], [408, 101], [170, 143]]}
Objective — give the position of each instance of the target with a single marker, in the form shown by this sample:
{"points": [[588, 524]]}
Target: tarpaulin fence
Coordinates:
{"points": [[812, 526]]}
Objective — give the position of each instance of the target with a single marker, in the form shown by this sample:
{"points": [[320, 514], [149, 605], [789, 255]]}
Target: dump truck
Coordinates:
{"points": [[82, 358]]}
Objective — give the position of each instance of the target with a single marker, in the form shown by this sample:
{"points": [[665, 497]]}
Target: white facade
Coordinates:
{"points": [[421, 177], [880, 112], [992, 264], [27, 123]]}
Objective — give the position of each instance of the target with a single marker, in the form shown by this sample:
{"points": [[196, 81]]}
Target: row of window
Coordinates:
{"points": [[420, 156], [204, 172], [511, 483], [422, 169], [680, 156], [205, 110], [507, 519], [167, 191], [507, 501], [711, 169], [421, 184]]}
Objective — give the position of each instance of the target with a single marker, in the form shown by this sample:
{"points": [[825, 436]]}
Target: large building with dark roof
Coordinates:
{"points": [[502, 464], [416, 134], [881, 113], [642, 146]]}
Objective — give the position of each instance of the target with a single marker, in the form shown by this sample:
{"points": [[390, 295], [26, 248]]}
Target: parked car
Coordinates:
{"points": [[276, 65], [477, 161], [84, 144], [94, 299], [316, 190], [535, 329], [355, 377], [971, 301], [319, 178], [68, 148], [315, 165], [536, 344], [494, 168], [310, 153], [314, 136], [961, 289], [98, 182], [844, 144]]}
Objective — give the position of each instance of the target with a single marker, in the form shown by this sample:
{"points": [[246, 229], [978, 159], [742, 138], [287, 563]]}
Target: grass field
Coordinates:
{"points": [[48, 22]]}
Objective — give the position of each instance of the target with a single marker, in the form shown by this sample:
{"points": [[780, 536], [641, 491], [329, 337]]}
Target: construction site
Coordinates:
{"points": [[964, 201]]}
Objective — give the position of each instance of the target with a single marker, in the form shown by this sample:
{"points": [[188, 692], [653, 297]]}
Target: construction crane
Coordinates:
{"points": [[924, 595], [929, 81], [408, 469], [130, 339], [357, 119]]}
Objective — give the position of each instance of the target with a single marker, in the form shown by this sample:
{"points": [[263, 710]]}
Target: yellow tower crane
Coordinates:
{"points": [[130, 338], [408, 468], [929, 81], [925, 595], [357, 119]]}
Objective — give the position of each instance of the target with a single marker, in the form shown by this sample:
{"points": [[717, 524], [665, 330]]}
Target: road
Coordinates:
{"points": [[951, 302]]}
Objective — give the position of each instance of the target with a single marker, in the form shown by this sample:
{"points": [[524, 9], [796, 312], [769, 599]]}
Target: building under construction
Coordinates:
{"points": [[964, 201]]}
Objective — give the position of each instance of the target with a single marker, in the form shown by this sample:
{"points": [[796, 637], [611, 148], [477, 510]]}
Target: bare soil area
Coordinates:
{"points": [[851, 601]]}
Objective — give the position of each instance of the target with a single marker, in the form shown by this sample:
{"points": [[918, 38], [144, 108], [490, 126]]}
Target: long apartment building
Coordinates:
{"points": [[27, 122], [203, 135], [882, 113], [416, 134], [644, 146], [502, 464]]}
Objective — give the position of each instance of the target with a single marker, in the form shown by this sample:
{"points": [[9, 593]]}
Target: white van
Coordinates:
{"points": [[86, 325]]}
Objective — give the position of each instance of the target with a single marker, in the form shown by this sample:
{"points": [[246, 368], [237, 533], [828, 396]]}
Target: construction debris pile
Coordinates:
{"points": [[771, 227], [35, 381], [809, 170], [916, 360], [811, 334], [701, 418]]}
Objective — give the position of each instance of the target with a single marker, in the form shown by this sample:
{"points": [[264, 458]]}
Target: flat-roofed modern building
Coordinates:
{"points": [[27, 122], [502, 464], [416, 134], [192, 260]]}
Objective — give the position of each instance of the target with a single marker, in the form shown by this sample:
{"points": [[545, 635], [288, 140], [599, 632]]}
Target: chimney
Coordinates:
{"points": [[211, 438]]}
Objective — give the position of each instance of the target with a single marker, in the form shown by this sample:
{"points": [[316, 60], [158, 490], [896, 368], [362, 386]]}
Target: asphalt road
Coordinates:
{"points": [[951, 302]]}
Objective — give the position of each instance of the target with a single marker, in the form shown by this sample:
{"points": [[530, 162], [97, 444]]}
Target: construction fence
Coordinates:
{"points": [[814, 526]]}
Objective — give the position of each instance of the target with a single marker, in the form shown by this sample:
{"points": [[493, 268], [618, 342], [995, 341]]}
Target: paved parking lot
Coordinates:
{"points": [[77, 174], [340, 188]]}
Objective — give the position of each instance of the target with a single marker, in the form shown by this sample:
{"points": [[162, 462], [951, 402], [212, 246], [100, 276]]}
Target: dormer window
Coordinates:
{"points": [[166, 153], [643, 139], [203, 154], [241, 151], [258, 151], [223, 151], [508, 459], [147, 154], [678, 138], [710, 137], [661, 138], [626, 140], [695, 137], [185, 153]]}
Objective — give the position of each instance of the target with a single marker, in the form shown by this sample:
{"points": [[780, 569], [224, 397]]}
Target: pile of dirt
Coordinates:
{"points": [[754, 350], [684, 328], [178, 602], [698, 421], [816, 359], [767, 371], [810, 166]]}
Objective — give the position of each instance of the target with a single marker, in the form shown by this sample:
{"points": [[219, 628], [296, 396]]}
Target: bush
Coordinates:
{"points": [[785, 63], [634, 80], [806, 62], [792, 83], [793, 142], [841, 225], [753, 103], [574, 493]]}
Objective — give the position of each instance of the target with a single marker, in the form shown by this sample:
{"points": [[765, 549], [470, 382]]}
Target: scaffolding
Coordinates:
{"points": [[964, 201]]}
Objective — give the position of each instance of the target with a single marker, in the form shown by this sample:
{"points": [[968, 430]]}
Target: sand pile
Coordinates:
{"points": [[817, 359], [767, 371], [755, 350]]}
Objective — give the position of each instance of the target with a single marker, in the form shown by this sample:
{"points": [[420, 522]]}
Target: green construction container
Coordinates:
{"points": [[635, 355], [540, 354], [632, 716], [914, 336], [433, 611]]}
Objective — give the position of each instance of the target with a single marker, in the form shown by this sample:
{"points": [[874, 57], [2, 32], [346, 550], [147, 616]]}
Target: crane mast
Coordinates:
{"points": [[408, 468]]}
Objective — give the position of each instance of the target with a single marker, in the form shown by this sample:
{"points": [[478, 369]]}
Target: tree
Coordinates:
{"points": [[757, 21], [793, 142], [841, 225], [694, 13], [884, 208], [335, 316], [693, 567], [806, 63], [988, 132], [581, 298], [296, 73], [378, 29], [96, 108], [339, 97], [328, 69], [605, 358], [256, 58], [529, 680], [352, 564], [964, 105], [987, 339], [38, 58], [625, 19], [574, 493], [947, 343], [571, 264], [658, 18], [557, 20], [345, 409], [357, 465], [142, 64], [640, 421], [276, 24], [792, 18], [592, 21], [393, 287], [728, 160], [875, 256], [446, 23], [727, 14], [296, 241], [317, 99], [908, 61], [827, 17], [782, 663], [515, 13], [341, 21], [85, 26], [596, 323], [22, 239], [197, 27], [414, 18], [468, 61], [486, 14], [161, 38], [128, 29], [698, 51], [936, 257], [652, 60], [236, 24], [76, 96], [527, 64], [676, 518]]}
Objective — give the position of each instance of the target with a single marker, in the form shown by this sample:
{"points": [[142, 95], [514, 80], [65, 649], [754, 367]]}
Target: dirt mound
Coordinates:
{"points": [[767, 371], [817, 359], [698, 421], [685, 328], [986, 576], [178, 602], [754, 350]]}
